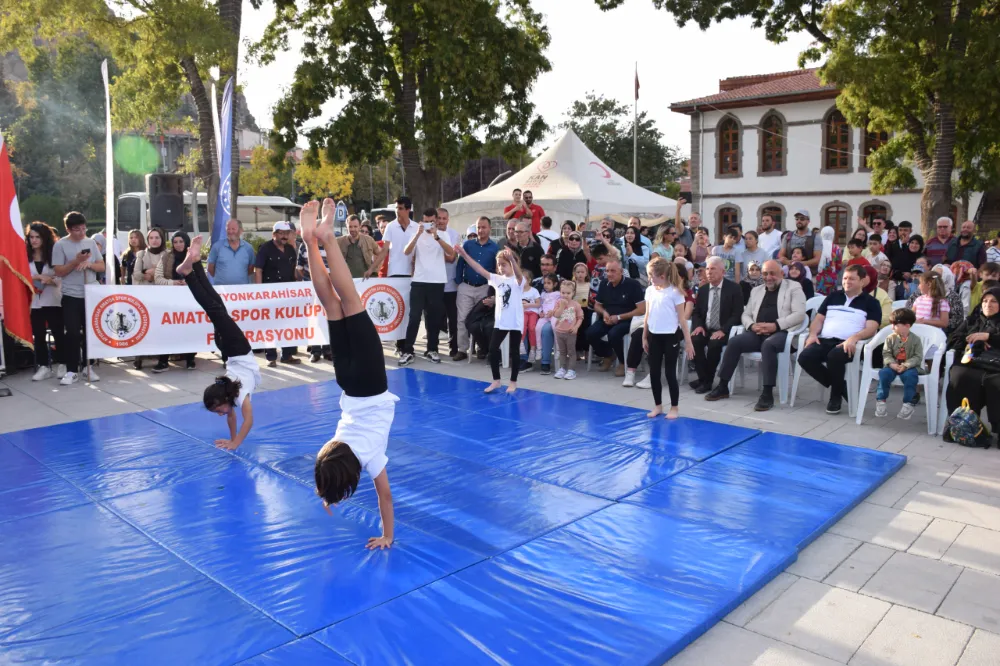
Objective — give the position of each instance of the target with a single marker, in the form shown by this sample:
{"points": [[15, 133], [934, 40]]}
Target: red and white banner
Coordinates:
{"points": [[151, 320]]}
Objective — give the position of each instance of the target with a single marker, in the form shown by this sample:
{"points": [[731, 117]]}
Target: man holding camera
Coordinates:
{"points": [[77, 260]]}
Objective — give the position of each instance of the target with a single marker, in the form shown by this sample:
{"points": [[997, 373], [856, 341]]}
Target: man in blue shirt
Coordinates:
{"points": [[232, 262], [472, 287]]}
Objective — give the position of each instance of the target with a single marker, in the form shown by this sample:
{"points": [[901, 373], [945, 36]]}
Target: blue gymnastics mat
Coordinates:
{"points": [[530, 529]]}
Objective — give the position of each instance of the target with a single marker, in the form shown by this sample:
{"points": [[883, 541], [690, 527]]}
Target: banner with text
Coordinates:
{"points": [[151, 320]]}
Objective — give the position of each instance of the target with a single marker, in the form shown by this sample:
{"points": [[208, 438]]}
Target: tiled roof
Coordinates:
{"points": [[747, 88]]}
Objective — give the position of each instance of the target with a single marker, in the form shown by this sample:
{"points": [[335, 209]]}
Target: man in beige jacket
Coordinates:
{"points": [[774, 307]]}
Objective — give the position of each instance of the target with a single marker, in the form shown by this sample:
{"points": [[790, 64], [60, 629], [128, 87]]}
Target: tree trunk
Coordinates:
{"points": [[935, 200], [207, 170], [231, 13], [423, 186]]}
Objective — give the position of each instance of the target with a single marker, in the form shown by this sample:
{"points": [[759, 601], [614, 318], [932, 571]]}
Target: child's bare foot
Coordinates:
{"points": [[673, 413], [511, 388], [307, 220], [325, 231], [656, 412], [193, 255], [492, 387]]}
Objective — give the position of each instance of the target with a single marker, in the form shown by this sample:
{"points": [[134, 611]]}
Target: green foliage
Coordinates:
{"points": [[325, 180], [43, 208], [260, 177], [605, 126], [255, 241], [444, 80]]}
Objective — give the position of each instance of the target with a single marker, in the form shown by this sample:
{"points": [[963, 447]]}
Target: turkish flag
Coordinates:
{"points": [[15, 275]]}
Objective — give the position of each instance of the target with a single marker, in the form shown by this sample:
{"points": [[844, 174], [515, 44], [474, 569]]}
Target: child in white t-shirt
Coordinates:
{"points": [[367, 407], [531, 300], [548, 300], [509, 311], [663, 329]]}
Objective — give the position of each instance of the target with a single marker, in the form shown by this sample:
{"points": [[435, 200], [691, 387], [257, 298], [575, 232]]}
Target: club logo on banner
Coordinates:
{"points": [[120, 321], [385, 307]]}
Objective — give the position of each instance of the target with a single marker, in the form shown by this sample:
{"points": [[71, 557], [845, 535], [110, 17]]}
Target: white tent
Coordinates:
{"points": [[569, 183]]}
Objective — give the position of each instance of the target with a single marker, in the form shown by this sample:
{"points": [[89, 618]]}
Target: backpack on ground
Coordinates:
{"points": [[964, 427]]}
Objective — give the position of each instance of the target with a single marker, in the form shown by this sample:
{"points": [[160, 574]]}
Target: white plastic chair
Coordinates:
{"points": [[852, 373], [942, 416], [896, 305], [784, 360], [504, 350], [934, 343]]}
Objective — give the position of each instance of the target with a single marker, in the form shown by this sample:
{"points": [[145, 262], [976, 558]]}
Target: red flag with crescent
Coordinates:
{"points": [[14, 271]]}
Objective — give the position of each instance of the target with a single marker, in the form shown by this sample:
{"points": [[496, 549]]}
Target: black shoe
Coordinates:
{"points": [[137, 364], [481, 355], [162, 366], [764, 402], [720, 392], [835, 405], [314, 357], [546, 369], [695, 384], [190, 364], [525, 367], [460, 356], [703, 389]]}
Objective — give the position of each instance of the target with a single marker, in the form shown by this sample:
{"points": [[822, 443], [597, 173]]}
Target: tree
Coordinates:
{"points": [[163, 48], [605, 126], [261, 177], [324, 180], [441, 79], [923, 70]]}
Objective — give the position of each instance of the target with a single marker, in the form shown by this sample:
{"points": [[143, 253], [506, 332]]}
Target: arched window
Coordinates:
{"points": [[729, 148], [726, 216], [871, 210], [772, 146], [836, 143], [838, 216], [872, 142]]}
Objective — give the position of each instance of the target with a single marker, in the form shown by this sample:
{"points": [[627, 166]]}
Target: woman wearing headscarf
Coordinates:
{"points": [[968, 378], [753, 278], [797, 272], [965, 278], [166, 275], [956, 314], [830, 263], [871, 287], [635, 255]]}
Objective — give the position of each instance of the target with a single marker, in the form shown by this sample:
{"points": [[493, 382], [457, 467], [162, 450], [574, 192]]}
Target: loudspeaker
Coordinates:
{"points": [[166, 200]]}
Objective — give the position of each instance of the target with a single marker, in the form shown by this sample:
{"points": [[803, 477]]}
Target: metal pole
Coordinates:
{"points": [[480, 172], [635, 132]]}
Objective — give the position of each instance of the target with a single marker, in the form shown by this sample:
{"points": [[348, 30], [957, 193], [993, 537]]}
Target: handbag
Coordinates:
{"points": [[987, 359], [964, 427]]}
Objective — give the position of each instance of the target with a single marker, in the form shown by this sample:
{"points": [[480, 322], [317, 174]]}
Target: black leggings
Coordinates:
{"points": [[663, 350], [357, 356], [42, 319], [229, 337], [514, 345]]}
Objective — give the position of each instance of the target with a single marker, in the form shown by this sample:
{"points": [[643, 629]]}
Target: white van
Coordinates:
{"points": [[258, 214]]}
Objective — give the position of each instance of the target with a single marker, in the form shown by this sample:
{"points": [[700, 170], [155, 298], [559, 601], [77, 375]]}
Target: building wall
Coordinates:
{"points": [[802, 185]]}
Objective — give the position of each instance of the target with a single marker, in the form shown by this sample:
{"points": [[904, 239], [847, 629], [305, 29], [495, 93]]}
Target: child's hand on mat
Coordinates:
{"points": [[227, 444], [380, 542]]}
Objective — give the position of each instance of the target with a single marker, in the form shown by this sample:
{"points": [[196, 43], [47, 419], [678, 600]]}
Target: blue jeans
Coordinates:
{"points": [[548, 343], [909, 379]]}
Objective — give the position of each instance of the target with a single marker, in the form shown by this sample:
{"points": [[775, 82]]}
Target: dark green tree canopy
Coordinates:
{"points": [[605, 126], [442, 79]]}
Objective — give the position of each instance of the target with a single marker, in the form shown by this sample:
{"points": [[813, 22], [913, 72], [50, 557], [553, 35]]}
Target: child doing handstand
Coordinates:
{"points": [[367, 407], [231, 391]]}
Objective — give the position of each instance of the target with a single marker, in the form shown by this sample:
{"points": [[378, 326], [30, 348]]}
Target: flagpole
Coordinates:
{"points": [[109, 186], [635, 129]]}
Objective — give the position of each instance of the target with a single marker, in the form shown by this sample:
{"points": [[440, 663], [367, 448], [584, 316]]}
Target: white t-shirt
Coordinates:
{"points": [[428, 266], [531, 294], [661, 309], [508, 311], [770, 240], [400, 263], [364, 426], [245, 370], [449, 267], [545, 238]]}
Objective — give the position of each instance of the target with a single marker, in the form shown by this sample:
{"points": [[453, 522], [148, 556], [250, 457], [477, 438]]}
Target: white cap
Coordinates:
{"points": [[281, 226], [471, 231]]}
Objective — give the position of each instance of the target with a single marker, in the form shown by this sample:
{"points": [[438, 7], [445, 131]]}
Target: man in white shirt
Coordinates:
{"points": [[768, 236], [395, 237], [431, 251], [449, 322], [546, 235]]}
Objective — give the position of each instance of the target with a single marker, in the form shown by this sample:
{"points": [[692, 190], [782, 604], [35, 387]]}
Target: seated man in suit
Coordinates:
{"points": [[844, 320], [618, 300], [773, 308], [717, 309]]}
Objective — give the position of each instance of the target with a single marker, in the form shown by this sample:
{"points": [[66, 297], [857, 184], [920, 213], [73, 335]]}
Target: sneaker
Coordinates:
{"points": [[405, 359], [645, 383], [163, 366], [60, 370], [880, 409], [92, 376], [570, 374], [560, 373], [137, 364], [905, 412], [629, 378], [532, 356], [835, 404], [524, 367], [720, 392], [433, 356], [69, 378], [546, 369], [42, 373], [190, 364], [764, 402], [314, 357]]}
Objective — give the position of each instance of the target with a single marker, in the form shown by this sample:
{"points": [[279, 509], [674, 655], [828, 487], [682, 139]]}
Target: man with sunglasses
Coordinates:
{"points": [[936, 248]]}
